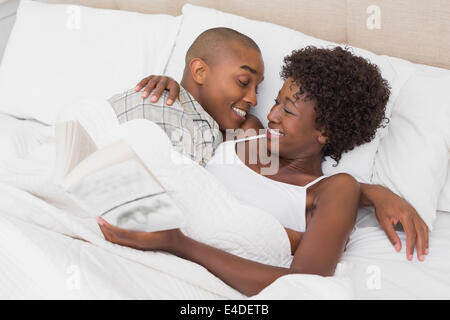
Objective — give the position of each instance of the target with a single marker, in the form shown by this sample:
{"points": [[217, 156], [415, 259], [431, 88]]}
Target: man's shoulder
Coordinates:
{"points": [[202, 119]]}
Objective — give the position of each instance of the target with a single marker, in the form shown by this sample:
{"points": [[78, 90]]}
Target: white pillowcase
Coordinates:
{"points": [[444, 198], [412, 160], [275, 43], [60, 53], [19, 138]]}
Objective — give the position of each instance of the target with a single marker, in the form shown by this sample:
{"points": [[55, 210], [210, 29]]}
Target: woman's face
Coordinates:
{"points": [[293, 122]]}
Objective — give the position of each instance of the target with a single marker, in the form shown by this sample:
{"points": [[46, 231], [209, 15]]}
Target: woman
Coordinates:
{"points": [[331, 101]]}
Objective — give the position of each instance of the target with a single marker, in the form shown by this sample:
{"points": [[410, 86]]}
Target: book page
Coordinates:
{"points": [[126, 195], [73, 144]]}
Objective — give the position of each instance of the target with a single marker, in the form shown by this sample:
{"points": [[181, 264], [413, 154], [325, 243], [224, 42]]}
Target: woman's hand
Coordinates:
{"points": [[391, 209], [159, 240], [159, 84]]}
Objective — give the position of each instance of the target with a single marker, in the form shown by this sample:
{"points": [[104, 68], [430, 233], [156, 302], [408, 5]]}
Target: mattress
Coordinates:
{"points": [[64, 266]]}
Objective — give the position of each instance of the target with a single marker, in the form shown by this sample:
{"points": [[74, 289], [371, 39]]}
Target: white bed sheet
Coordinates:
{"points": [[41, 262]]}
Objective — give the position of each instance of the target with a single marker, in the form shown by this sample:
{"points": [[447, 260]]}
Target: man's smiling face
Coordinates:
{"points": [[230, 85]]}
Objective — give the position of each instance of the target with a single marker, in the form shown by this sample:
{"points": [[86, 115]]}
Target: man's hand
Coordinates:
{"points": [[391, 209], [159, 84]]}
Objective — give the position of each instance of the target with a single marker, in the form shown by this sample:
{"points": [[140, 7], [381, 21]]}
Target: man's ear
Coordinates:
{"points": [[198, 70]]}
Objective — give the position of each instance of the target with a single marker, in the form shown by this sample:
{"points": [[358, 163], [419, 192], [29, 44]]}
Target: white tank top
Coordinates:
{"points": [[286, 202]]}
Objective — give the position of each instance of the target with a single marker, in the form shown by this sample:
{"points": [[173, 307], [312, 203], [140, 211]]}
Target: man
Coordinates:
{"points": [[223, 69]]}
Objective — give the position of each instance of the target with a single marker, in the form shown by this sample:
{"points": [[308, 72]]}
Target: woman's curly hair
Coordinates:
{"points": [[349, 91]]}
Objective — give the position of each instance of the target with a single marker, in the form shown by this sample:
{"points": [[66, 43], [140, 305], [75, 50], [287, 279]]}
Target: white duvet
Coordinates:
{"points": [[41, 257]]}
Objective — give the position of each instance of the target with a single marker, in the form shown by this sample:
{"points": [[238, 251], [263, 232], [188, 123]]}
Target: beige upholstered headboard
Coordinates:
{"points": [[415, 30]]}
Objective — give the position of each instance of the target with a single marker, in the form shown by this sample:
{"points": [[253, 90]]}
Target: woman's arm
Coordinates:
{"points": [[318, 252], [329, 228], [294, 238], [366, 195], [158, 84], [391, 209], [246, 276]]}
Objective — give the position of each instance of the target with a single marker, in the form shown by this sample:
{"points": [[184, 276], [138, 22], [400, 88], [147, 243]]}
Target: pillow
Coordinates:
{"points": [[274, 48], [413, 158], [58, 53], [444, 198], [19, 138], [26, 146]]}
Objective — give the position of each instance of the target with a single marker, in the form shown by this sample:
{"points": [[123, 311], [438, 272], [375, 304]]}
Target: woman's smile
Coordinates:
{"points": [[274, 133]]}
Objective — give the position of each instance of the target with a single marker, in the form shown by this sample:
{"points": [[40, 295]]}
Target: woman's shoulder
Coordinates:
{"points": [[341, 179], [336, 191], [335, 186], [338, 179]]}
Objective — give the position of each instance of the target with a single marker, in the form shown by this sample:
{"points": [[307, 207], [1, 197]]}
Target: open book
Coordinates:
{"points": [[112, 182]]}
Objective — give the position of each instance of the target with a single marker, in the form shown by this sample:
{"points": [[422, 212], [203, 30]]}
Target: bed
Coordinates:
{"points": [[49, 251]]}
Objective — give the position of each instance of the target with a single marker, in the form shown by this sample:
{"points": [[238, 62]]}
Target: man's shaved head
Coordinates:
{"points": [[222, 72], [210, 44]]}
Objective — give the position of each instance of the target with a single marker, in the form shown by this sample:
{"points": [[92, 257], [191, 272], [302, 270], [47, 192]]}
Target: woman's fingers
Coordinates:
{"points": [[411, 237], [424, 233], [159, 89], [416, 236], [388, 227], [158, 84], [109, 234], [151, 84], [134, 239], [174, 92], [420, 242], [116, 235], [142, 83]]}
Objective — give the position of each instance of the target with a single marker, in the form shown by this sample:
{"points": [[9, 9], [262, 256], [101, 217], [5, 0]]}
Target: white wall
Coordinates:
{"points": [[7, 18]]}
